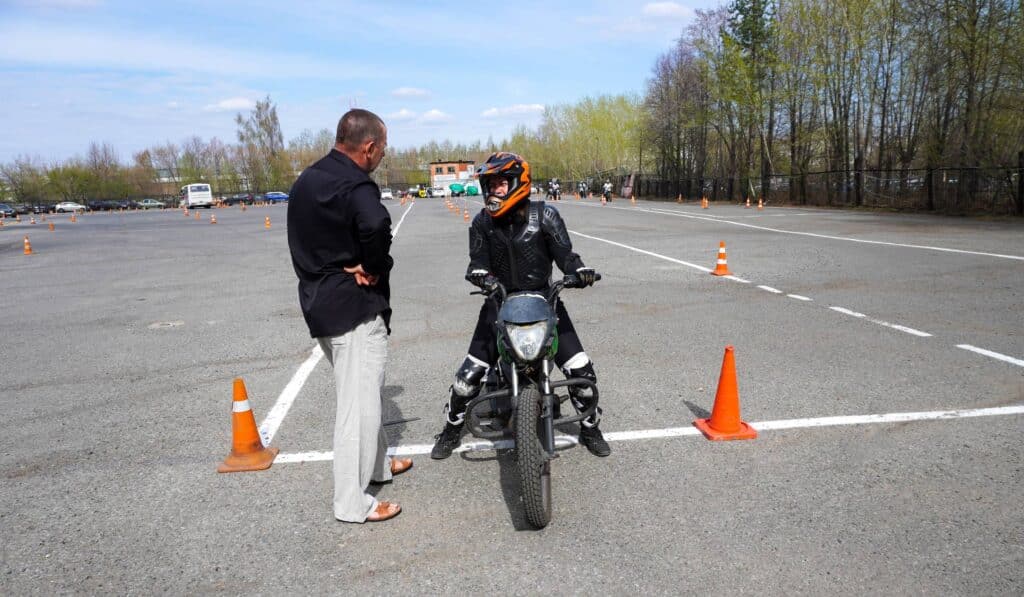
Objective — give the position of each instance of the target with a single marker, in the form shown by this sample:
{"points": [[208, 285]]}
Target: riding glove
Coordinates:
{"points": [[587, 276]]}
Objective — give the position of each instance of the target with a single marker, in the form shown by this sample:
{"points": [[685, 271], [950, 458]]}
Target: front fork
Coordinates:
{"points": [[547, 404], [547, 412]]}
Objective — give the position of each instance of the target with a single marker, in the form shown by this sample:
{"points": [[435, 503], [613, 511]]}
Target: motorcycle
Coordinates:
{"points": [[518, 398]]}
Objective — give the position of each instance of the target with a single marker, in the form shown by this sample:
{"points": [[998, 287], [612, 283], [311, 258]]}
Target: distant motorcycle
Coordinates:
{"points": [[519, 396]]}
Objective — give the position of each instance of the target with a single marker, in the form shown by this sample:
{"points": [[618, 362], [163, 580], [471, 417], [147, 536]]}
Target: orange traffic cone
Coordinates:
{"points": [[51, 226], [721, 268], [28, 246], [213, 218], [197, 215], [266, 222], [74, 218], [186, 212], [247, 450], [760, 203], [725, 420], [748, 203], [32, 221], [465, 215], [679, 199]]}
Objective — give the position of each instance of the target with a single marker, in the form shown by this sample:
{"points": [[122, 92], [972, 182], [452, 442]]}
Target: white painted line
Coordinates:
{"points": [[736, 279], [562, 441], [284, 402], [994, 355], [831, 237], [894, 326], [652, 254], [394, 232], [799, 297], [770, 289]]}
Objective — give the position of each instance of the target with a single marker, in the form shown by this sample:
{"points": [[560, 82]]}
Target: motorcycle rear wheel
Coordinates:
{"points": [[533, 461]]}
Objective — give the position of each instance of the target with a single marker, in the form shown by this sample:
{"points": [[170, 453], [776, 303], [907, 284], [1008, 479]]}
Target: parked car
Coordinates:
{"points": [[276, 197], [6, 211], [22, 208], [386, 193], [150, 204], [66, 206], [238, 198], [437, 192], [41, 208]]}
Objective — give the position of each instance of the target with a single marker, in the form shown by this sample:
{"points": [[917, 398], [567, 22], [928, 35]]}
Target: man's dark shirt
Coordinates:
{"points": [[336, 220]]}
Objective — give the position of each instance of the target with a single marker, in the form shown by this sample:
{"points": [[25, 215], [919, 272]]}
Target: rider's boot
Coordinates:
{"points": [[582, 399], [466, 387]]}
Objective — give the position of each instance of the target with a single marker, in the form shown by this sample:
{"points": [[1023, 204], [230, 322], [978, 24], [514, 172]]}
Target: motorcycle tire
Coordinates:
{"points": [[533, 461]]}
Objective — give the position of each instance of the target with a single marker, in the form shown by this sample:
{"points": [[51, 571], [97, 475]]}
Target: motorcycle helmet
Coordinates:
{"points": [[512, 168]]}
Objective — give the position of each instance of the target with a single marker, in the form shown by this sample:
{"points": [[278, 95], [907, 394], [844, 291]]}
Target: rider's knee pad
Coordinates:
{"points": [[468, 380], [580, 366], [469, 377]]}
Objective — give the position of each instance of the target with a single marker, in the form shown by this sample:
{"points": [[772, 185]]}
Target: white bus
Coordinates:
{"points": [[195, 195]]}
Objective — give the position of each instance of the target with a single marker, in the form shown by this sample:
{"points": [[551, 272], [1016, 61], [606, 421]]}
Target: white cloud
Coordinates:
{"points": [[434, 116], [173, 105], [667, 10], [514, 110], [231, 104], [412, 92], [401, 115]]}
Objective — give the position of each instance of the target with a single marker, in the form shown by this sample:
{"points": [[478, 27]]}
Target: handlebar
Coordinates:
{"points": [[567, 281]]}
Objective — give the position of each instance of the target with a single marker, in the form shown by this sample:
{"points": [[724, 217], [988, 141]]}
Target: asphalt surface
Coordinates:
{"points": [[122, 334]]}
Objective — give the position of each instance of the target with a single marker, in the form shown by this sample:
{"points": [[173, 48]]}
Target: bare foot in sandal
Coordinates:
{"points": [[384, 511]]}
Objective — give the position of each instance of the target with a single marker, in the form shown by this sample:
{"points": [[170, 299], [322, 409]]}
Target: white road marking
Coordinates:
{"points": [[843, 238], [880, 322], [284, 402], [994, 355], [615, 436], [270, 425], [770, 289], [652, 254], [799, 297]]}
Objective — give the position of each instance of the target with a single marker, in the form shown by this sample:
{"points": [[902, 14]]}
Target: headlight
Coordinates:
{"points": [[527, 340]]}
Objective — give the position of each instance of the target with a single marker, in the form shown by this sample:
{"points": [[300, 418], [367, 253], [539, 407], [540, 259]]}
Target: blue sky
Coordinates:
{"points": [[137, 73]]}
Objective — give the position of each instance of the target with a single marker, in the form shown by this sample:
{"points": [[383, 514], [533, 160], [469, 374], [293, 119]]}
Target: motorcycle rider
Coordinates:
{"points": [[514, 241], [607, 190], [554, 189]]}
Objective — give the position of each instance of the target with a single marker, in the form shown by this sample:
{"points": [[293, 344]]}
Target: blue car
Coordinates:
{"points": [[276, 197]]}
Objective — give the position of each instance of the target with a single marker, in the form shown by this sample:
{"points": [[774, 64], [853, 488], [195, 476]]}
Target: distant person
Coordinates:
{"points": [[339, 235], [606, 191]]}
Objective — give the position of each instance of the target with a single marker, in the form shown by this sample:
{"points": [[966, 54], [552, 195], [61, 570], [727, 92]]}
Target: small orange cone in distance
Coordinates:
{"points": [[748, 202], [28, 246], [213, 218], [760, 203], [186, 212], [725, 422], [266, 222], [197, 215], [74, 218], [247, 450], [51, 226], [679, 199], [465, 215], [722, 267]]}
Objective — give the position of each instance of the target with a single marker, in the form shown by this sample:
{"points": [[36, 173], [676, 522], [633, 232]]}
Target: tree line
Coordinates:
{"points": [[900, 103]]}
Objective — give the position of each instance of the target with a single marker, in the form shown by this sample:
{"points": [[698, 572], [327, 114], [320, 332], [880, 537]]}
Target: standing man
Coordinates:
{"points": [[339, 235]]}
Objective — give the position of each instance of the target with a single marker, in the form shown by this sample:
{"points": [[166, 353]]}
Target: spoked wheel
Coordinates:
{"points": [[533, 461]]}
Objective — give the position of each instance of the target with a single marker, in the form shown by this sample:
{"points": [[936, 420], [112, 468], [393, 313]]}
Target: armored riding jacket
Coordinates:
{"points": [[520, 247]]}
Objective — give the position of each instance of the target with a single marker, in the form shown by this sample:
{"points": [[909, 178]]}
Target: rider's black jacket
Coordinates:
{"points": [[519, 247]]}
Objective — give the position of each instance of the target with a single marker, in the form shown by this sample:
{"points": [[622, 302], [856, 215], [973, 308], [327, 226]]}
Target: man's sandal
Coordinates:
{"points": [[400, 465], [384, 511]]}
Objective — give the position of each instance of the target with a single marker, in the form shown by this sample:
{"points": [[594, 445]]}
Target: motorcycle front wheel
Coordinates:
{"points": [[533, 461]]}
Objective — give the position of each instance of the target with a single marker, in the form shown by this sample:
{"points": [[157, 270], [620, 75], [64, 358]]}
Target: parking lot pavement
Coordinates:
{"points": [[124, 332]]}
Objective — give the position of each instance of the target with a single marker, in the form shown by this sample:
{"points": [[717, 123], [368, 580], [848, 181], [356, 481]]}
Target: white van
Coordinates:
{"points": [[195, 195]]}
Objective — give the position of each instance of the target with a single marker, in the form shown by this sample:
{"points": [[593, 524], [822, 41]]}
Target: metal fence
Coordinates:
{"points": [[948, 189]]}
